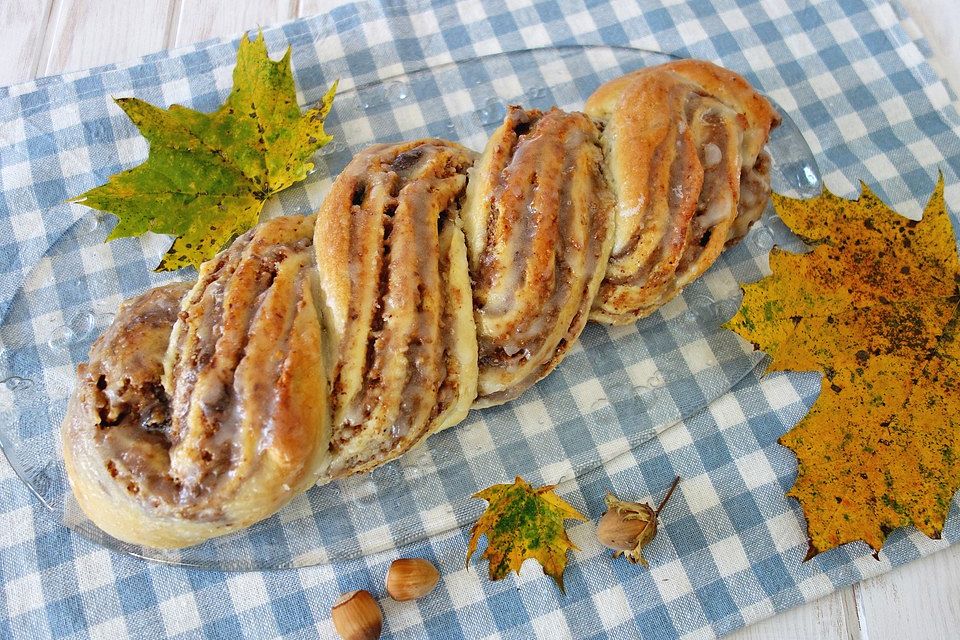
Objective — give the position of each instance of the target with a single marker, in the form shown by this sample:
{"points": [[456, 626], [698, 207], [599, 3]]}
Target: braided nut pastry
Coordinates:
{"points": [[539, 225], [429, 281], [393, 270], [195, 419], [683, 143]]}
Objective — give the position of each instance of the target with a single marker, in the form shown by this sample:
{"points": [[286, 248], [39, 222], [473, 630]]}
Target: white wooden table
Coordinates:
{"points": [[920, 601]]}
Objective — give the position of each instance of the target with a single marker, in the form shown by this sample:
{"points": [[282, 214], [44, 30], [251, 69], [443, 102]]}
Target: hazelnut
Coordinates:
{"points": [[411, 578], [356, 616], [627, 527]]}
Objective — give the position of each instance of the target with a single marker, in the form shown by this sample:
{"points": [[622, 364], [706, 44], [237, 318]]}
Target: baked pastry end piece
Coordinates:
{"points": [[194, 419], [683, 144]]}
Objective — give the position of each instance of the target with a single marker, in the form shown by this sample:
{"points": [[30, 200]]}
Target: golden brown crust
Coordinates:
{"points": [[539, 225], [684, 149], [239, 425], [392, 268]]}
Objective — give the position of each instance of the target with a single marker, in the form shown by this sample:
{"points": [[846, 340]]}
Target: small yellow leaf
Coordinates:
{"points": [[523, 522], [874, 307]]}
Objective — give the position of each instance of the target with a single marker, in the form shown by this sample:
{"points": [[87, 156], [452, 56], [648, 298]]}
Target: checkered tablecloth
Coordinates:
{"points": [[730, 546]]}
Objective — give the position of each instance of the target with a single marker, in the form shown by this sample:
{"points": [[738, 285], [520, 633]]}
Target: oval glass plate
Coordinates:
{"points": [[617, 388]]}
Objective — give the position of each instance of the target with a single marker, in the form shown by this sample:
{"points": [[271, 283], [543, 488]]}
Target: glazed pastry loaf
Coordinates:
{"points": [[430, 280]]}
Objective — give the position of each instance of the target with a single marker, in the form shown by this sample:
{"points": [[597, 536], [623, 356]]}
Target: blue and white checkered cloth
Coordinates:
{"points": [[628, 410]]}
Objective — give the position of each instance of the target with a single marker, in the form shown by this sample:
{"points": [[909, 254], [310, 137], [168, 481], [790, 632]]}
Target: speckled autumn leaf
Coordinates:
{"points": [[523, 522], [874, 308], [208, 174]]}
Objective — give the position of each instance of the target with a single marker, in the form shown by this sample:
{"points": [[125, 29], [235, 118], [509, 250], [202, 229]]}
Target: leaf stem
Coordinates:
{"points": [[663, 502]]}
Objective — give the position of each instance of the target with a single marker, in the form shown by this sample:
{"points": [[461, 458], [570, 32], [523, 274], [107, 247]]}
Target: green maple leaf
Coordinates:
{"points": [[208, 174]]}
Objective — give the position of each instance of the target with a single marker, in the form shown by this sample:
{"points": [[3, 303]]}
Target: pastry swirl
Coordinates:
{"points": [[199, 418], [427, 282], [393, 271], [539, 225], [683, 143]]}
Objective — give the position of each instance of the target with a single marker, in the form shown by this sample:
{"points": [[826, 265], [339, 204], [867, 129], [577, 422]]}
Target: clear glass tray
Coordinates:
{"points": [[617, 388]]}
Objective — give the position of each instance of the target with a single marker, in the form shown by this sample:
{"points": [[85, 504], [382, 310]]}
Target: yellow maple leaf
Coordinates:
{"points": [[523, 522], [874, 308]]}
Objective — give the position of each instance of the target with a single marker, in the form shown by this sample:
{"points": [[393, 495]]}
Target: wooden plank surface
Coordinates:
{"points": [[23, 24], [39, 37], [203, 19], [831, 618], [918, 601], [87, 33]]}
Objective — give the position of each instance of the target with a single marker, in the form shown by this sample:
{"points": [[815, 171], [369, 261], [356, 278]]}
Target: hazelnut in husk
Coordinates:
{"points": [[627, 527]]}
